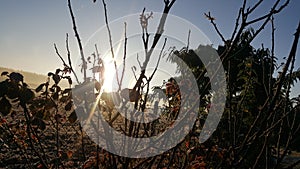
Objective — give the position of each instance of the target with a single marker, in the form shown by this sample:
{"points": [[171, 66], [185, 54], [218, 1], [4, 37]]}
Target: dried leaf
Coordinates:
{"points": [[56, 78], [49, 104], [4, 73], [39, 123], [97, 86], [89, 163], [70, 81], [26, 95], [67, 91], [50, 74], [57, 117], [97, 69], [3, 88], [5, 106], [68, 106], [58, 89], [12, 93], [73, 117], [57, 71], [16, 77], [69, 154], [40, 165], [40, 87], [55, 96]]}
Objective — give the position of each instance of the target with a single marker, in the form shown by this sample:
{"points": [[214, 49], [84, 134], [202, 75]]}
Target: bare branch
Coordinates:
{"points": [[188, 40], [124, 57], [250, 10], [236, 25], [84, 66], [157, 63], [144, 24], [151, 76], [285, 68], [138, 60], [69, 58], [215, 26], [272, 53], [261, 151], [159, 32], [272, 12], [133, 71], [110, 40], [58, 54]]}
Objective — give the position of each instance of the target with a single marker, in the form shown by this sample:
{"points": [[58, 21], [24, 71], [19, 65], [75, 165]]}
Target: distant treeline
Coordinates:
{"points": [[32, 79]]}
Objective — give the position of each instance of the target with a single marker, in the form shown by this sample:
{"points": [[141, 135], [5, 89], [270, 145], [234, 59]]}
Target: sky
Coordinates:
{"points": [[29, 28]]}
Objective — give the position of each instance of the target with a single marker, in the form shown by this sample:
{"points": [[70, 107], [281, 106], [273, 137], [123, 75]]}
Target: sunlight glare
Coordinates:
{"points": [[109, 75], [110, 71]]}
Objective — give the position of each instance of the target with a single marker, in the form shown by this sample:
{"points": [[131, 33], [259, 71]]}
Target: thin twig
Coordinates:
{"points": [[159, 32], [154, 71], [272, 12], [188, 40], [272, 54], [57, 52], [138, 60], [250, 10], [124, 57], [110, 40], [236, 26], [215, 26], [69, 58], [84, 66]]}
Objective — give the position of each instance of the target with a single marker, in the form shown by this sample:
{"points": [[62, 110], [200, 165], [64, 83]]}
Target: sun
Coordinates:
{"points": [[109, 75]]}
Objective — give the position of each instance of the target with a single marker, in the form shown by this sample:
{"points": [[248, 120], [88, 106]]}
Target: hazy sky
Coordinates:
{"points": [[30, 27]]}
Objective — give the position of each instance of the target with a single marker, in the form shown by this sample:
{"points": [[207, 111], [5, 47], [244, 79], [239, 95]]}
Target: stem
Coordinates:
{"points": [[84, 63], [110, 40]]}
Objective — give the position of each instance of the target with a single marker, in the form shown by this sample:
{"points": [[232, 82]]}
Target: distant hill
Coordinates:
{"points": [[32, 79]]}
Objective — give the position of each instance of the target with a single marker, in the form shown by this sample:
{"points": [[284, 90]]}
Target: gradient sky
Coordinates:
{"points": [[30, 27]]}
